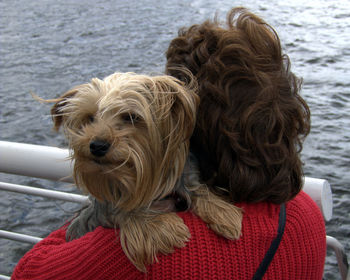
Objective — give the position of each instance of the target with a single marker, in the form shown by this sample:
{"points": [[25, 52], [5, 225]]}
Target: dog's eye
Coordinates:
{"points": [[130, 118], [90, 118]]}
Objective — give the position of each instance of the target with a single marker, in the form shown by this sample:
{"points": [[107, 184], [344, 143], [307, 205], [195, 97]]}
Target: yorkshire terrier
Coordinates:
{"points": [[129, 135]]}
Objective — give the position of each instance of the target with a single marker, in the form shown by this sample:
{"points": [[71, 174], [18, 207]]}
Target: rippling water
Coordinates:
{"points": [[48, 46]]}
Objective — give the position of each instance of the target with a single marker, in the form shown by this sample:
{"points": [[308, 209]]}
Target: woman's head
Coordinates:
{"points": [[251, 120]]}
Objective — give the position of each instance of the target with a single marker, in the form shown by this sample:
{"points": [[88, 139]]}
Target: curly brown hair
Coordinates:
{"points": [[251, 121]]}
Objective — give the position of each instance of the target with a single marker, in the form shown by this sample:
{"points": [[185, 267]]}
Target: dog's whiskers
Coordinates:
{"points": [[117, 167]]}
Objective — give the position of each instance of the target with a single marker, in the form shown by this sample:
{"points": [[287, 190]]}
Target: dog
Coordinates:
{"points": [[129, 136]]}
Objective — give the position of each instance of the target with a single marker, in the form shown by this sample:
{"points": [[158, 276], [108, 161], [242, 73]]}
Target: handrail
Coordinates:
{"points": [[342, 260], [51, 163], [19, 237], [320, 191], [45, 193], [35, 161]]}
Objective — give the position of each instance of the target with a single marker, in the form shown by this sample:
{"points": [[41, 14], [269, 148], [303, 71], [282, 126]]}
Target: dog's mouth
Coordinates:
{"points": [[103, 162], [100, 161], [97, 161], [93, 160]]}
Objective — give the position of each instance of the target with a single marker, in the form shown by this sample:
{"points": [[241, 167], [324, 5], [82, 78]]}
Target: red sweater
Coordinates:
{"points": [[98, 254]]}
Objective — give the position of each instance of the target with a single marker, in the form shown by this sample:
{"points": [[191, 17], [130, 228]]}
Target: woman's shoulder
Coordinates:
{"points": [[96, 255], [305, 218], [303, 243], [302, 214], [303, 203]]}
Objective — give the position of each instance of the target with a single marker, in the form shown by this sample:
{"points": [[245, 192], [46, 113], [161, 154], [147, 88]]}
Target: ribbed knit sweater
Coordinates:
{"points": [[98, 254]]}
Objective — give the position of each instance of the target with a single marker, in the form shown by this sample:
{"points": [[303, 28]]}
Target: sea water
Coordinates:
{"points": [[48, 46]]}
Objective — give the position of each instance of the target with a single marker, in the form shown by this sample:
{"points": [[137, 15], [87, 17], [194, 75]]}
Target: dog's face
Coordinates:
{"points": [[129, 135]]}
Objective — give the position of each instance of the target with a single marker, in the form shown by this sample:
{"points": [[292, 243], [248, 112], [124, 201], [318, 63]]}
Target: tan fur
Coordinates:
{"points": [[144, 235], [148, 122], [222, 217]]}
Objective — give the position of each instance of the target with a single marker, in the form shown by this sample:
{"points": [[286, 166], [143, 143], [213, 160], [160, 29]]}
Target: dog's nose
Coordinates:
{"points": [[99, 148]]}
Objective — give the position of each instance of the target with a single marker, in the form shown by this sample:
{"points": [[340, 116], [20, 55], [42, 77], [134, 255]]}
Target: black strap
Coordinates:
{"points": [[274, 245]]}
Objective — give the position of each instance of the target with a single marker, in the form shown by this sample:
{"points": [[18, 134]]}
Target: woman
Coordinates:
{"points": [[251, 124], [249, 132]]}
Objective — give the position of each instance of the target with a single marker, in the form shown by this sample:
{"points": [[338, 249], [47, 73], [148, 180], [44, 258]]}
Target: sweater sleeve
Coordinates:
{"points": [[37, 257], [96, 255], [303, 245]]}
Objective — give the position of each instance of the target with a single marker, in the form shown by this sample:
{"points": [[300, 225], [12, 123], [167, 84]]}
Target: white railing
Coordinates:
{"points": [[45, 193], [35, 161], [19, 237], [340, 254], [54, 164]]}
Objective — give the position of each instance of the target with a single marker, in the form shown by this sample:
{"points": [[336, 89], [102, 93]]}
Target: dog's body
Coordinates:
{"points": [[130, 138]]}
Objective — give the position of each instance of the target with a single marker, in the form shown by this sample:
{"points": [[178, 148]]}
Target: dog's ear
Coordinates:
{"points": [[179, 102], [56, 110], [184, 108]]}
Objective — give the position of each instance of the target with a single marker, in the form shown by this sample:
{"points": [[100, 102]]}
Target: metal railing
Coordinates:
{"points": [[44, 193], [53, 164], [340, 254]]}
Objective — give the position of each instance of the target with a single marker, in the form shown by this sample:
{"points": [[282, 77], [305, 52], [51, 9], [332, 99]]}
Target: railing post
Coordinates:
{"points": [[342, 259]]}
